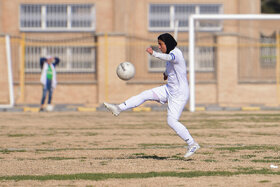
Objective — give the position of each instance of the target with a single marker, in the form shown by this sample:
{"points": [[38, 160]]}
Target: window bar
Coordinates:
{"points": [[69, 17], [43, 9]]}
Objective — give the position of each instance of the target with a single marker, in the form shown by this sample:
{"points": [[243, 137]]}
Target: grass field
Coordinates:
{"points": [[138, 149]]}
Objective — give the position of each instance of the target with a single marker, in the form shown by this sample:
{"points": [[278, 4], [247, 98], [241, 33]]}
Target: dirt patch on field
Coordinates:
{"points": [[237, 149]]}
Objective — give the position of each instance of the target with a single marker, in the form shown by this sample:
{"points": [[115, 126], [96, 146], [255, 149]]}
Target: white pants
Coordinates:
{"points": [[174, 110]]}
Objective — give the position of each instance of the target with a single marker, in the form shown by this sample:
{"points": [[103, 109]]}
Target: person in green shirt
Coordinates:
{"points": [[48, 78]]}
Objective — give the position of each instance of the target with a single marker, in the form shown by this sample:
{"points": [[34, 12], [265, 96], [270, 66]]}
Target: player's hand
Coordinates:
{"points": [[149, 50], [164, 76]]}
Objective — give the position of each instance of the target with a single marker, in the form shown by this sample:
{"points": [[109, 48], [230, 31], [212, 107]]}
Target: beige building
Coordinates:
{"points": [[236, 63]]}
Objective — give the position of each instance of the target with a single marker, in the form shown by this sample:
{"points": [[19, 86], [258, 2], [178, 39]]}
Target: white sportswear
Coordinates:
{"points": [[176, 71], [175, 92]]}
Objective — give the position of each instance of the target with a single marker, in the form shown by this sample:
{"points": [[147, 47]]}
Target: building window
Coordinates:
{"points": [[204, 57], [155, 64], [80, 16], [164, 17], [57, 17], [72, 59], [268, 51]]}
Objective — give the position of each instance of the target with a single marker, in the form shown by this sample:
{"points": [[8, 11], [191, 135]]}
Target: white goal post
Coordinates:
{"points": [[192, 19], [10, 74]]}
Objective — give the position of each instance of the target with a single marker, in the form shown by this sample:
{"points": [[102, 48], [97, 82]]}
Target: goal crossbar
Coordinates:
{"points": [[192, 19]]}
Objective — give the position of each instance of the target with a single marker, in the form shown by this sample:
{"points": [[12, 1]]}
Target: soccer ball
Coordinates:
{"points": [[49, 108], [125, 71]]}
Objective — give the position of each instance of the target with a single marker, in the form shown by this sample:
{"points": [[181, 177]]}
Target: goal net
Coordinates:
{"points": [[234, 60], [6, 80]]}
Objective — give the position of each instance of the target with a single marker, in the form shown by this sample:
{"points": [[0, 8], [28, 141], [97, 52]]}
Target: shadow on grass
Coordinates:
{"points": [[155, 157]]}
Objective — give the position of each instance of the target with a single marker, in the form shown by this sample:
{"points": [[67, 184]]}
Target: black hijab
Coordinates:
{"points": [[169, 41]]}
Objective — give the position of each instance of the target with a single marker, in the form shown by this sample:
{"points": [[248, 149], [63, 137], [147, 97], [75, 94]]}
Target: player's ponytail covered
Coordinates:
{"points": [[169, 41]]}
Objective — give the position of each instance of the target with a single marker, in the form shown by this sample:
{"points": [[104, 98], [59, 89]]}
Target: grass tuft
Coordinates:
{"points": [[105, 176]]}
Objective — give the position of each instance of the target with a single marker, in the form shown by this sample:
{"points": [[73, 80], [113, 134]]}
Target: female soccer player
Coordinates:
{"points": [[175, 92]]}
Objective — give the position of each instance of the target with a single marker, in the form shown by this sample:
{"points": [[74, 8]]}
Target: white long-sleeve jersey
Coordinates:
{"points": [[176, 71]]}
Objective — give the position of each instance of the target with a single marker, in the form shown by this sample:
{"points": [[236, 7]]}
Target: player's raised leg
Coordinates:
{"points": [[132, 102]]}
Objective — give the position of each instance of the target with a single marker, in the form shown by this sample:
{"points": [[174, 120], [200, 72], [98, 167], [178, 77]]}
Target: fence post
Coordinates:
{"points": [[106, 57], [22, 68], [278, 65]]}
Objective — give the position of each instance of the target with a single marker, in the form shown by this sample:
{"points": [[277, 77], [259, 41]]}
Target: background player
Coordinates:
{"points": [[48, 77]]}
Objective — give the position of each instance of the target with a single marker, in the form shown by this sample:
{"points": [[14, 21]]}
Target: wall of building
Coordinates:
{"points": [[118, 19]]}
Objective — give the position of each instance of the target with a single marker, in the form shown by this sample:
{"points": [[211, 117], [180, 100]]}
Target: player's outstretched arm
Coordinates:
{"points": [[162, 56]]}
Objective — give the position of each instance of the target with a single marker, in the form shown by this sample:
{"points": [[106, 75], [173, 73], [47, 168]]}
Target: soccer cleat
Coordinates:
{"points": [[113, 108], [192, 149]]}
